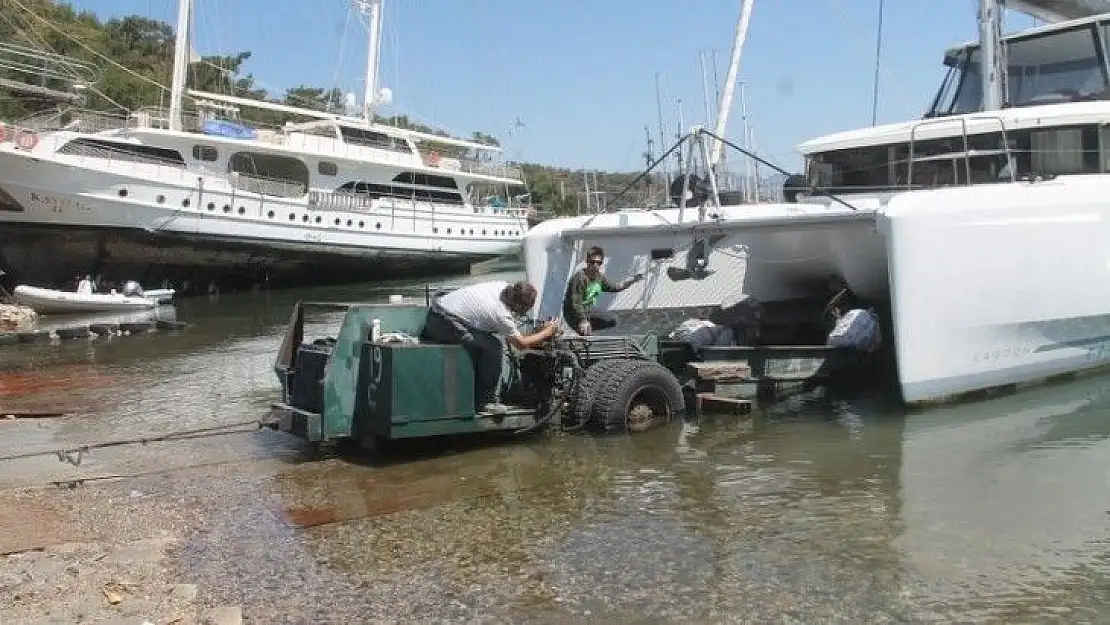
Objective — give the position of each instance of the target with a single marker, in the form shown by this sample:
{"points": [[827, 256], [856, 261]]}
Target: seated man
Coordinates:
{"points": [[471, 317], [85, 286], [583, 290]]}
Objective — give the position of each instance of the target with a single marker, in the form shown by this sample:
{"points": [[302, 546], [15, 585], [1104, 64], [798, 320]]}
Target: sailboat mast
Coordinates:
{"points": [[730, 82], [662, 126], [746, 142], [373, 11], [993, 54], [705, 87], [180, 60]]}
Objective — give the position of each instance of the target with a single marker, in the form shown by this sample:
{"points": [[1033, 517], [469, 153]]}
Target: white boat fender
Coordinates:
{"points": [[702, 332]]}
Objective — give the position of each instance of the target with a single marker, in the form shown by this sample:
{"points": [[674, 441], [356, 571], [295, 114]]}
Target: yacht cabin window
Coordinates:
{"points": [[205, 153], [122, 151], [327, 168], [374, 139], [268, 174], [401, 192]]}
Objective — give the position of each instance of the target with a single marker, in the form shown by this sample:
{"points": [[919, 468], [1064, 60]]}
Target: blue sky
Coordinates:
{"points": [[580, 74]]}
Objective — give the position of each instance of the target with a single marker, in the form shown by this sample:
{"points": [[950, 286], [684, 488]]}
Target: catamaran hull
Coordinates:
{"points": [[989, 286], [167, 224], [994, 285], [770, 252]]}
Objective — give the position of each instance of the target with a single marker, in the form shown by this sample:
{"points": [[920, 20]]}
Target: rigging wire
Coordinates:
{"points": [[336, 86], [886, 75], [87, 48], [878, 62], [780, 170]]}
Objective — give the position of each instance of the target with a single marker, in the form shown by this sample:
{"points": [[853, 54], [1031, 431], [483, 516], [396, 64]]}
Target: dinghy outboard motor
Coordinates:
{"points": [[132, 289], [697, 190], [697, 261]]}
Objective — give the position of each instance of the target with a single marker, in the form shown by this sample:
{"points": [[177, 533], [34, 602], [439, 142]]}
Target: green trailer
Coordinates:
{"points": [[351, 388]]}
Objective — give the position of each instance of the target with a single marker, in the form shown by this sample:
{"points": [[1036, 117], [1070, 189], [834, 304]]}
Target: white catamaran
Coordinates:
{"points": [[985, 226], [195, 198]]}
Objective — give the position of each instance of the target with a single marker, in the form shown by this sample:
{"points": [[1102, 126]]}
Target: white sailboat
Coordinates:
{"points": [[199, 198], [985, 226]]}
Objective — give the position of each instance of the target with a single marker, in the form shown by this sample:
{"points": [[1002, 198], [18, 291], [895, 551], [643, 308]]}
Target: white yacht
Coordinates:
{"points": [[195, 196], [983, 229]]}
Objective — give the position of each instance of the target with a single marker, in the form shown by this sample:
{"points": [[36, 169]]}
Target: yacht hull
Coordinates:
{"points": [[41, 254], [159, 223]]}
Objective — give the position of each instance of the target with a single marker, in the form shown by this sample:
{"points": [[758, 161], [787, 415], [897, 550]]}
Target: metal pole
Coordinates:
{"points": [[993, 71]]}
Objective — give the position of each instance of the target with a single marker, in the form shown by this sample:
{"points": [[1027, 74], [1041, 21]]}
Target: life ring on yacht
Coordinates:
{"points": [[433, 159], [27, 140]]}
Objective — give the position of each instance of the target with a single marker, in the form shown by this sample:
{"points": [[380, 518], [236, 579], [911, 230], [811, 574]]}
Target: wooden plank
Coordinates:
{"points": [[717, 404], [720, 370]]}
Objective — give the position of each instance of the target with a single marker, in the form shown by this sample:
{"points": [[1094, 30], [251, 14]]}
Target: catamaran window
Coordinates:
{"points": [[327, 168], [1058, 66], [426, 180], [111, 150], [947, 161], [1062, 151], [1104, 148], [378, 191], [859, 169], [372, 139], [205, 153], [269, 174]]}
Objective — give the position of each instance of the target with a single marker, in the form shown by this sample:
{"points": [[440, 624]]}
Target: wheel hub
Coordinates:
{"points": [[640, 417]]}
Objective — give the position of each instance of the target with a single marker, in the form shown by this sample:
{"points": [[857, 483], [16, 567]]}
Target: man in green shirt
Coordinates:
{"points": [[583, 290]]}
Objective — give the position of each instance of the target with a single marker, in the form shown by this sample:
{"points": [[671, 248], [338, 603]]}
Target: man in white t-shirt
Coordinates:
{"points": [[472, 316]]}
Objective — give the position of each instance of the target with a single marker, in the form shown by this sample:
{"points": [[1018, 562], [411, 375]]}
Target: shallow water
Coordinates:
{"points": [[819, 508]]}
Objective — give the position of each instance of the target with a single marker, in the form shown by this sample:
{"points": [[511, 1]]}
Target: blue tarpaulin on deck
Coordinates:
{"points": [[224, 128]]}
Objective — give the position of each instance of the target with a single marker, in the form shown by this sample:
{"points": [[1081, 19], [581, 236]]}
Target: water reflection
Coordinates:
{"points": [[683, 522], [1005, 503], [836, 510]]}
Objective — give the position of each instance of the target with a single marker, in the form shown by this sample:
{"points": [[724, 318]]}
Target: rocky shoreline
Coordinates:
{"points": [[100, 582], [121, 575]]}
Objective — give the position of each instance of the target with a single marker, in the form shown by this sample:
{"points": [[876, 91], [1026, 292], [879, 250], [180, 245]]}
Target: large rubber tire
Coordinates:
{"points": [[582, 400], [638, 395]]}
